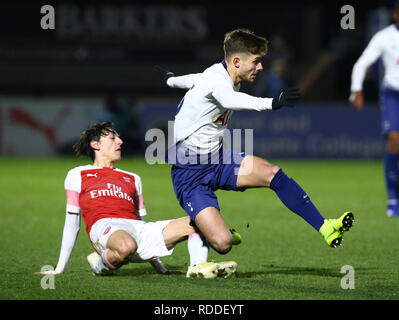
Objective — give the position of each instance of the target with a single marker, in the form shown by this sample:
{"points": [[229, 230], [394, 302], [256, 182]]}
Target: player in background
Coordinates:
{"points": [[385, 44], [110, 200], [201, 119]]}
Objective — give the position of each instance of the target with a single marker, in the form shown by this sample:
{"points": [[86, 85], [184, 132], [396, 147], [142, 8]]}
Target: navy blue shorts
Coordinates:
{"points": [[195, 185], [389, 110]]}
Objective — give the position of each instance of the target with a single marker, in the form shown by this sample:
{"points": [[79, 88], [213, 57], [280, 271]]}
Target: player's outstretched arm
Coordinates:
{"points": [[173, 81], [287, 98], [69, 236], [372, 52], [233, 100]]}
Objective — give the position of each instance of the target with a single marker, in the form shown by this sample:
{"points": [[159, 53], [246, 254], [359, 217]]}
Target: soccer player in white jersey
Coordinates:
{"points": [[384, 44], [110, 200], [201, 164]]}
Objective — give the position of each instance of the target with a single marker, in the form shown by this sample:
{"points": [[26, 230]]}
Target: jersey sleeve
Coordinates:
{"points": [[234, 100], [138, 197], [183, 82], [372, 52], [69, 236], [72, 185]]}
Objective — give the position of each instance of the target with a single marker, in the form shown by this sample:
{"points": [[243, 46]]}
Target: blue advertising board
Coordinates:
{"points": [[312, 130]]}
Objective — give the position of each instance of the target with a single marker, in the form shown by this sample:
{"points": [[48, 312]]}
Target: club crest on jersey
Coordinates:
{"points": [[127, 179], [189, 205], [223, 118], [107, 230]]}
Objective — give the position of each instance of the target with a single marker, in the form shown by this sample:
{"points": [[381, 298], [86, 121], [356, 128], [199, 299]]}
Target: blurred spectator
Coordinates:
{"points": [[271, 83], [274, 78], [125, 122]]}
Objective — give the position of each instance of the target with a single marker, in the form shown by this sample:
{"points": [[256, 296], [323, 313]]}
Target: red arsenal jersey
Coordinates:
{"points": [[99, 192]]}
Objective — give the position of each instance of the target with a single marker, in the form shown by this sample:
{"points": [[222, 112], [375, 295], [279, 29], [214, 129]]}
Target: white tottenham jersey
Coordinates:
{"points": [[384, 43], [204, 112]]}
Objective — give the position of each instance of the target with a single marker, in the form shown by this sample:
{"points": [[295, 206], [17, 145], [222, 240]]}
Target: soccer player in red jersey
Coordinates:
{"points": [[110, 200]]}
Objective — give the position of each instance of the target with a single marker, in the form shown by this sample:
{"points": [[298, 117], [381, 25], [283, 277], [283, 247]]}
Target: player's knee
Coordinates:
{"points": [[223, 244], [125, 249], [393, 148], [271, 172], [393, 143]]}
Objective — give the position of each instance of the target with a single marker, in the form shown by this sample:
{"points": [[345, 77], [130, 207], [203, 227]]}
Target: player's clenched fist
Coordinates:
{"points": [[165, 73], [356, 98], [286, 98]]}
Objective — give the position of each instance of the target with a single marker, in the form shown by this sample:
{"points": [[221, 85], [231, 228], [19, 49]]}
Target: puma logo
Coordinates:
{"points": [[92, 175]]}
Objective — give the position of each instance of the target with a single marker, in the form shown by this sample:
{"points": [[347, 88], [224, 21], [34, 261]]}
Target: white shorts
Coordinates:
{"points": [[148, 236]]}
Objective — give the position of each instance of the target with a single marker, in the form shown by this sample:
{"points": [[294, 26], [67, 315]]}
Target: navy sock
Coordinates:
{"points": [[295, 199], [391, 176]]}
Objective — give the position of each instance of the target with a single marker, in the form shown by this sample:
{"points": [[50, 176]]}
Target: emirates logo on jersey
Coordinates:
{"points": [[111, 191]]}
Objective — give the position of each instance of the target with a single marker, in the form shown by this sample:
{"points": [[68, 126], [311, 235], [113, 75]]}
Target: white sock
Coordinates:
{"points": [[197, 249]]}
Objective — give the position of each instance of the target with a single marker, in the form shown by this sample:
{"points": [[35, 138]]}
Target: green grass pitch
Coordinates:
{"points": [[281, 256]]}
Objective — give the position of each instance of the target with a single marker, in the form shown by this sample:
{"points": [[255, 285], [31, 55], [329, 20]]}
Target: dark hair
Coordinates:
{"points": [[396, 6], [243, 41], [97, 130]]}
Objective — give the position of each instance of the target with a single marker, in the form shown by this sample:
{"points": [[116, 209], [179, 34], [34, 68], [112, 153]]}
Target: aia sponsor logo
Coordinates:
{"points": [[224, 118]]}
